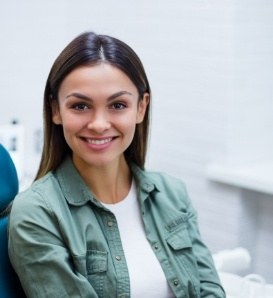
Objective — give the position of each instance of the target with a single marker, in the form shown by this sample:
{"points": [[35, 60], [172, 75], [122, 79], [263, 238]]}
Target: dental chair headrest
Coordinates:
{"points": [[9, 184]]}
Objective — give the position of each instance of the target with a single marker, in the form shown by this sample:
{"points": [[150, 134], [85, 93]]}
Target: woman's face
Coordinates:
{"points": [[98, 107]]}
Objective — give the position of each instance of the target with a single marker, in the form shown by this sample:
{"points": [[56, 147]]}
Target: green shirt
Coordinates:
{"points": [[65, 243]]}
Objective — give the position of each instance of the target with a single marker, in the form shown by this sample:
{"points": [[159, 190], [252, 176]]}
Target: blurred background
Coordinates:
{"points": [[210, 65]]}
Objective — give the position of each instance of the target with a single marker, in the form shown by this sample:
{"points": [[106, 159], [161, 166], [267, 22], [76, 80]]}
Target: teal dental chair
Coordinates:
{"points": [[10, 286]]}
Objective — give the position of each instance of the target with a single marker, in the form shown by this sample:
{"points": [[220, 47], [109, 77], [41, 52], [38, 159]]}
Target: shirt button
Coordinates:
{"points": [[118, 258], [175, 282], [156, 247], [149, 187], [110, 223]]}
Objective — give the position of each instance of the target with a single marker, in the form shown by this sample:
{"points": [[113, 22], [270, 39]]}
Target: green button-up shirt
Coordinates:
{"points": [[65, 243]]}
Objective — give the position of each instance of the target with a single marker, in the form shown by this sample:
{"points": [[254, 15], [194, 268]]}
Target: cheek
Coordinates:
{"points": [[129, 132], [70, 126], [127, 124]]}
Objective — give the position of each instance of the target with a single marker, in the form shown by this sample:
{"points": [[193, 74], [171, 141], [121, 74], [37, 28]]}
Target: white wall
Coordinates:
{"points": [[210, 68]]}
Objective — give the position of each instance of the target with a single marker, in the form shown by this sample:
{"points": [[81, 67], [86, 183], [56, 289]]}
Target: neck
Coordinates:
{"points": [[109, 184]]}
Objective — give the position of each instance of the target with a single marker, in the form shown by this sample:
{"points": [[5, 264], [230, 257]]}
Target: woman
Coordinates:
{"points": [[95, 223]]}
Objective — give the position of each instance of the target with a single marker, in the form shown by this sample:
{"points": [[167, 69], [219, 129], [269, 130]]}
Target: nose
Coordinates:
{"points": [[99, 123]]}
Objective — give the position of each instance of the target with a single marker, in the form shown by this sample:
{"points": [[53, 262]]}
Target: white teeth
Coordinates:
{"points": [[99, 142]]}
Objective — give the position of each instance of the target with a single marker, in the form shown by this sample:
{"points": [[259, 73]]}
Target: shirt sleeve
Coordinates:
{"points": [[210, 286], [38, 252]]}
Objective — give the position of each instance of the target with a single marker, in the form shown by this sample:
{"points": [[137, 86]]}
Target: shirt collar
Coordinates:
{"points": [[73, 186], [144, 179], [77, 193], [145, 182]]}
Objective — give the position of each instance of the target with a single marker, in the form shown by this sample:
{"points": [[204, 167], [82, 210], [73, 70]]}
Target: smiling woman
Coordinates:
{"points": [[95, 223]]}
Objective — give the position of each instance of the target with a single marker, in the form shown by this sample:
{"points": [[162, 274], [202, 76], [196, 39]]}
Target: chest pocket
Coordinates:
{"points": [[96, 261], [177, 235], [96, 267], [179, 239]]}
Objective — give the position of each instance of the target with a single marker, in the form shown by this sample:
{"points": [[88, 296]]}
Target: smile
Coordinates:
{"points": [[99, 141]]}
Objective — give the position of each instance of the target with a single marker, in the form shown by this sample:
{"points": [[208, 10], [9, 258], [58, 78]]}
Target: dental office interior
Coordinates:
{"points": [[210, 65]]}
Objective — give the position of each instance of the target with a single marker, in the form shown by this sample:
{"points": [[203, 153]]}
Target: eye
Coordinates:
{"points": [[80, 107], [118, 106]]}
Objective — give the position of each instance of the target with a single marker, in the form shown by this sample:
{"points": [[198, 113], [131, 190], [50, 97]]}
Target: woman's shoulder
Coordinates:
{"points": [[165, 180], [167, 186], [37, 195], [41, 185]]}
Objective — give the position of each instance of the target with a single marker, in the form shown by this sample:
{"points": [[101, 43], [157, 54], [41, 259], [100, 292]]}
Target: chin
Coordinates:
{"points": [[100, 162]]}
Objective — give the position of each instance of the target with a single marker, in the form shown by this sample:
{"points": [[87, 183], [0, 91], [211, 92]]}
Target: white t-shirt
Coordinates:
{"points": [[146, 275]]}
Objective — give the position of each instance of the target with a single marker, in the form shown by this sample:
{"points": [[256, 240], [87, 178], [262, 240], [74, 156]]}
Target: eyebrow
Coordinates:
{"points": [[111, 97]]}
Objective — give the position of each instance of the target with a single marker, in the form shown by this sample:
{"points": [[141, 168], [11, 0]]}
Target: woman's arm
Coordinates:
{"points": [[210, 285], [39, 255]]}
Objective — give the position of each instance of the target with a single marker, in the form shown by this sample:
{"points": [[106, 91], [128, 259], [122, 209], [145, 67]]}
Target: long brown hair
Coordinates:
{"points": [[91, 49]]}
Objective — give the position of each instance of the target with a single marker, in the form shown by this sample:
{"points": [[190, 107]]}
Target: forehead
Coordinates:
{"points": [[103, 75]]}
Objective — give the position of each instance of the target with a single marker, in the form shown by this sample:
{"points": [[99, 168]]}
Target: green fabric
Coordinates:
{"points": [[64, 243]]}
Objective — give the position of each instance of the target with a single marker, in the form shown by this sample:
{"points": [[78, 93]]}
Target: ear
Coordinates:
{"points": [[142, 107], [56, 116]]}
